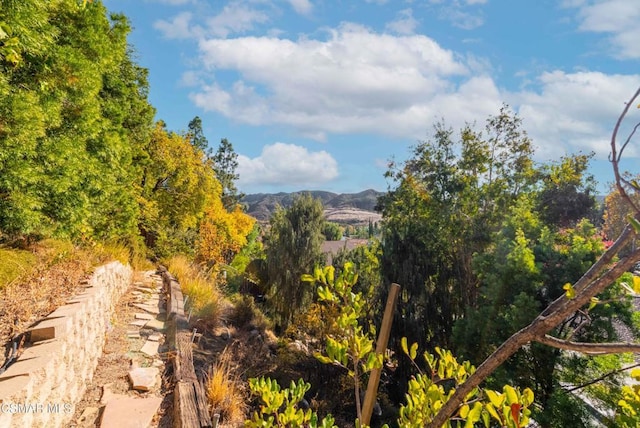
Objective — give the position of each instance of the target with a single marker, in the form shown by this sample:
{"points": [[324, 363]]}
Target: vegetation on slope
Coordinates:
{"points": [[480, 237]]}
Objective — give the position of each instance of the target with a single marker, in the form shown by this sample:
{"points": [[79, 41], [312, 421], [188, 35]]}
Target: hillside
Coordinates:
{"points": [[350, 208]]}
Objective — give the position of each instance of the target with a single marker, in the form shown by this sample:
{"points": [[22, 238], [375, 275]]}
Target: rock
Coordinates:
{"points": [[155, 337], [298, 346], [107, 395], [140, 316], [156, 325], [129, 412], [88, 417], [143, 378], [150, 348], [148, 308]]}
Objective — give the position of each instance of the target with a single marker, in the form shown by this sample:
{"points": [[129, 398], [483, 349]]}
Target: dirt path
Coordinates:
{"points": [[137, 331]]}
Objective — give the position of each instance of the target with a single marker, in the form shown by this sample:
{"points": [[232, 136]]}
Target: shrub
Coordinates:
{"points": [[247, 314]]}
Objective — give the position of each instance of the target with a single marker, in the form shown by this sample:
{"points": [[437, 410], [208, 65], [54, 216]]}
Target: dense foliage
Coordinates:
{"points": [[80, 154], [292, 250], [482, 240], [73, 120], [450, 197]]}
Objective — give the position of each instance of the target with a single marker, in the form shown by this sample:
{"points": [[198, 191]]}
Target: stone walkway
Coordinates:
{"points": [[129, 383]]}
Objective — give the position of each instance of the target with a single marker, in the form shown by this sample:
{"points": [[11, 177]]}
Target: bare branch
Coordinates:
{"points": [[628, 140], [603, 377], [589, 348], [615, 158]]}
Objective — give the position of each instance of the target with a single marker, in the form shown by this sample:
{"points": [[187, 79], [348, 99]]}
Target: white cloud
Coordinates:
{"points": [[281, 163], [574, 111], [617, 18], [236, 17], [355, 81], [461, 18], [190, 78], [464, 14], [359, 81], [303, 7], [404, 23], [179, 27], [572, 3]]}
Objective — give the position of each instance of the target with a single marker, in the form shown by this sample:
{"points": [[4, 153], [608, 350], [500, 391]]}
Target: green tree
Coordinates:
{"points": [[600, 277], [225, 163], [176, 189], [67, 147], [522, 273], [332, 231], [351, 346], [450, 196], [196, 135], [366, 262], [567, 192], [253, 250], [292, 248]]}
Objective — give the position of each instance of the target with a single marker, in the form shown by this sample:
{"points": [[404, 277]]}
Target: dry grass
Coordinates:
{"points": [[205, 300], [225, 393]]}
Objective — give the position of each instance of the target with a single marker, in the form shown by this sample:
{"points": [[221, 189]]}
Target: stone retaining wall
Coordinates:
{"points": [[42, 387]]}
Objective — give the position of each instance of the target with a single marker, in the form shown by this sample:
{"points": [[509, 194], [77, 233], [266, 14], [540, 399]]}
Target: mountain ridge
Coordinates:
{"points": [[262, 205]]}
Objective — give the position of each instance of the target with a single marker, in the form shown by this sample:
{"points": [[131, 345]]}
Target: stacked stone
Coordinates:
{"points": [[42, 387]]}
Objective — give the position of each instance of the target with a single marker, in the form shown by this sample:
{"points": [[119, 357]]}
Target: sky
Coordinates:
{"points": [[321, 94]]}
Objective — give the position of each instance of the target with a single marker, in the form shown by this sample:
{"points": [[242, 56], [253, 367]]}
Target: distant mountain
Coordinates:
{"points": [[362, 205]]}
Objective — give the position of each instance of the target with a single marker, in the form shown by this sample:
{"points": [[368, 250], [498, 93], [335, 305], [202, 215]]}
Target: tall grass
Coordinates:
{"points": [[15, 264], [108, 251], [224, 391], [204, 296]]}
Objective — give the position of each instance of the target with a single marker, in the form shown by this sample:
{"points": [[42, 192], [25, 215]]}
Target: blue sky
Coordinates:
{"points": [[320, 94]]}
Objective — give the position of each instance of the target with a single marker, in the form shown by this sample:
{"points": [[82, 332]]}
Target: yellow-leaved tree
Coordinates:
{"points": [[222, 233], [176, 187]]}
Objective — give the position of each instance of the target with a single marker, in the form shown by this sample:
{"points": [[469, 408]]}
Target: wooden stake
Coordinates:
{"points": [[381, 347]]}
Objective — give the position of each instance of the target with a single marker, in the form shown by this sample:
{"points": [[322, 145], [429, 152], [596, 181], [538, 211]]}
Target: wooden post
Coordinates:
{"points": [[381, 347]]}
